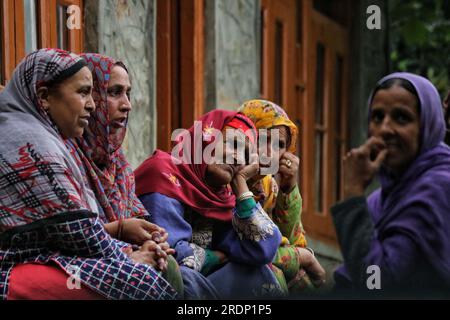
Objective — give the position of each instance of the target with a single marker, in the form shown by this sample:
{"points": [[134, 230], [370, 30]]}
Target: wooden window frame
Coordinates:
{"points": [[48, 23], [319, 225], [180, 66], [299, 102], [13, 37], [13, 46]]}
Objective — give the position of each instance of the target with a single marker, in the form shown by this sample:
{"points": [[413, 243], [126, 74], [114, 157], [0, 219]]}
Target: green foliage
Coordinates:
{"points": [[420, 39]]}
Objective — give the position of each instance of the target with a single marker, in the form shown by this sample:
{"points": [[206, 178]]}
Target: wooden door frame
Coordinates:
{"points": [[270, 14], [13, 37], [47, 25], [180, 66], [301, 105], [12, 25], [313, 219]]}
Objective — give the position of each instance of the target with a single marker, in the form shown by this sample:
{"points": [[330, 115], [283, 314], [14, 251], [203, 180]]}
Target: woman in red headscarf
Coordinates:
{"points": [[213, 222]]}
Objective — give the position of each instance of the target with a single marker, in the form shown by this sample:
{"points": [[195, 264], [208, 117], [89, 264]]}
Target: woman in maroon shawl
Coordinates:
{"points": [[215, 226]]}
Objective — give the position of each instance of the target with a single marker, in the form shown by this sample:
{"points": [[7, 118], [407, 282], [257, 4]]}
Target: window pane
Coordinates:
{"points": [[279, 63], [320, 79], [339, 81], [334, 9], [62, 30], [31, 35], [318, 175], [339, 78], [320, 121]]}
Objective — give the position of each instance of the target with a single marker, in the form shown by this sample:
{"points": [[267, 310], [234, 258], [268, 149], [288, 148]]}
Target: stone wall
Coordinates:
{"points": [[233, 52], [124, 29]]}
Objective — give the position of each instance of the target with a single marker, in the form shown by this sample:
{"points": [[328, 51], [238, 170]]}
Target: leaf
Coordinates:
{"points": [[415, 33]]}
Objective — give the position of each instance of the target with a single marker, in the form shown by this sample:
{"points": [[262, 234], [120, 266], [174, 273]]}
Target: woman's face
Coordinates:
{"points": [[119, 105], [395, 119], [219, 175], [70, 104], [275, 146]]}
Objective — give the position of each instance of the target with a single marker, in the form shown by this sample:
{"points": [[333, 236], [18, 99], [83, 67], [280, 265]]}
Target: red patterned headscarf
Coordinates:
{"points": [[106, 167], [186, 182]]}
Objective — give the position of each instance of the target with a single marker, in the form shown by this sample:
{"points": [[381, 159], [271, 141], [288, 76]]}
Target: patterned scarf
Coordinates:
{"points": [[267, 115], [100, 152], [38, 177]]}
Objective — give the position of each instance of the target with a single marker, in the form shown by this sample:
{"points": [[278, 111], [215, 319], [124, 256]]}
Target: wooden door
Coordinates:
{"points": [[325, 123], [304, 68], [278, 72]]}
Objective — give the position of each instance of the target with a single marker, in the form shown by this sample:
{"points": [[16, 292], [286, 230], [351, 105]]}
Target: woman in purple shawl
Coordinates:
{"points": [[403, 229]]}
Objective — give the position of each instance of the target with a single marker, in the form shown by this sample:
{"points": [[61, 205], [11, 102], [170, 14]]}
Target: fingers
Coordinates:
{"points": [[380, 158], [151, 227], [156, 236], [164, 237], [127, 250], [164, 246], [289, 161], [289, 156], [149, 246], [155, 255], [162, 264], [373, 145], [170, 252]]}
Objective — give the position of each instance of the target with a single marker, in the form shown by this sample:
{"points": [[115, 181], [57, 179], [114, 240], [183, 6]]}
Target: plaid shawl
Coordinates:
{"points": [[46, 211]]}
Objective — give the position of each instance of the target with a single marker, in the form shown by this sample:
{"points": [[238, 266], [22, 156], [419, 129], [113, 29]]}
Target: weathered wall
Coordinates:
{"points": [[233, 52], [124, 29]]}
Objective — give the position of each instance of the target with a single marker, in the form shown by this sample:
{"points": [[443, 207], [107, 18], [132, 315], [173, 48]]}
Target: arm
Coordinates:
{"points": [[288, 209], [395, 254], [252, 238], [287, 216], [82, 234], [82, 243], [168, 213]]}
